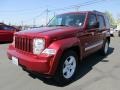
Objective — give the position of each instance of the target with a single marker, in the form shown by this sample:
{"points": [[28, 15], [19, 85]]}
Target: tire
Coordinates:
{"points": [[67, 69], [105, 48], [119, 33], [111, 35]]}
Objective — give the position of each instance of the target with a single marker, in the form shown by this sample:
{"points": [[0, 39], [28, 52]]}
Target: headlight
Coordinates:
{"points": [[38, 46]]}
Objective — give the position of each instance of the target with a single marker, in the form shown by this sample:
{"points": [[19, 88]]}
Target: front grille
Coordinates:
{"points": [[24, 44]]}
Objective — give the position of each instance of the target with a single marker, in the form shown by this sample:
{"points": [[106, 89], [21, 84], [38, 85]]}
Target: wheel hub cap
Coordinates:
{"points": [[69, 67], [106, 48]]}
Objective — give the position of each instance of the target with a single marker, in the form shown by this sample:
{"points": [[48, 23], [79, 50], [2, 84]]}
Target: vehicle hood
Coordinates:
{"points": [[51, 32]]}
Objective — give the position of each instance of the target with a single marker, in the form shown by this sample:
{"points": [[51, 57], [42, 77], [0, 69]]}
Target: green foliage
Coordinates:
{"points": [[118, 20], [111, 18]]}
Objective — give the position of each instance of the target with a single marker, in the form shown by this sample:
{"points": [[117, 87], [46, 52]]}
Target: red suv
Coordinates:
{"points": [[6, 32], [57, 49]]}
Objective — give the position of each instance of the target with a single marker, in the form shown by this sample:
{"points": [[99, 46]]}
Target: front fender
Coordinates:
{"points": [[60, 46], [65, 43]]}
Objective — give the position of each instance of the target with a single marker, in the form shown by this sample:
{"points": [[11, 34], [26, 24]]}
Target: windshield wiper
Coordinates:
{"points": [[57, 25], [61, 25]]}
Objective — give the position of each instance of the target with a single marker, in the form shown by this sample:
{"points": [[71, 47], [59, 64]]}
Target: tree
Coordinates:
{"points": [[118, 21], [111, 18]]}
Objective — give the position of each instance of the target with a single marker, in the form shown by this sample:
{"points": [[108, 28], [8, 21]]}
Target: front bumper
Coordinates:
{"points": [[41, 64]]}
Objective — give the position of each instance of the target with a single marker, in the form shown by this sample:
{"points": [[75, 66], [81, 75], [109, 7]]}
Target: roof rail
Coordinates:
{"points": [[97, 12]]}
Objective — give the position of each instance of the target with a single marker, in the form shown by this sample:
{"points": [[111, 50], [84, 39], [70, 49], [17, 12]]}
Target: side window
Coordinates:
{"points": [[101, 22], [91, 21], [1, 27], [5, 27]]}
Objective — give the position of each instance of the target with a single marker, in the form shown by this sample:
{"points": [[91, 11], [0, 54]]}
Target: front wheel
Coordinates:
{"points": [[67, 68]]}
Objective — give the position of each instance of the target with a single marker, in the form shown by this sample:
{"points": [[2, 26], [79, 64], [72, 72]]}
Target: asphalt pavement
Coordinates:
{"points": [[95, 73]]}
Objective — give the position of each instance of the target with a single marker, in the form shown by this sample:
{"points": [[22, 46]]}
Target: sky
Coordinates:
{"points": [[29, 12]]}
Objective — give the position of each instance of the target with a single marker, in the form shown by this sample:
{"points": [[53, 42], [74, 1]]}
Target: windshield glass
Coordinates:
{"points": [[68, 20]]}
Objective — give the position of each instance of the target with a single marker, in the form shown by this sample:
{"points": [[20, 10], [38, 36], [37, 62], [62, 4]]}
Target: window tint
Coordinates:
{"points": [[92, 20], [5, 27], [1, 27], [101, 22]]}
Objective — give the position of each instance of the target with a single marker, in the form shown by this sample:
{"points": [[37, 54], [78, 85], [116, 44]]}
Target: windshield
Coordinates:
{"points": [[68, 20]]}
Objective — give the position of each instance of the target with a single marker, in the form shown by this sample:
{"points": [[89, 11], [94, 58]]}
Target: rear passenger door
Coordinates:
{"points": [[102, 29]]}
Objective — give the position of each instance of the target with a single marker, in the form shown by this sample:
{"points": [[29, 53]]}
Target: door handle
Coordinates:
{"points": [[92, 33]]}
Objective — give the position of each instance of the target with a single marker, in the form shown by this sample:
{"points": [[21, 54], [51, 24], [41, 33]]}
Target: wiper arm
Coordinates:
{"points": [[56, 25], [62, 25]]}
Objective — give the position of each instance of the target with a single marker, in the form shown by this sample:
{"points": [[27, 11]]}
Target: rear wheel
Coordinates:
{"points": [[119, 33], [105, 48], [67, 68]]}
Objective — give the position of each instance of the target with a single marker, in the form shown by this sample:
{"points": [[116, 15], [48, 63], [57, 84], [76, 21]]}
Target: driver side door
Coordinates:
{"points": [[90, 43]]}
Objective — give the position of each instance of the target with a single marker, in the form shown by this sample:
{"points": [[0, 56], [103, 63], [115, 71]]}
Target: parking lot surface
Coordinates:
{"points": [[95, 73]]}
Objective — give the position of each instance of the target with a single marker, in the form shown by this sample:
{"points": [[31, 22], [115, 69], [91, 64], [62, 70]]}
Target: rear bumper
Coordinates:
{"points": [[41, 64]]}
